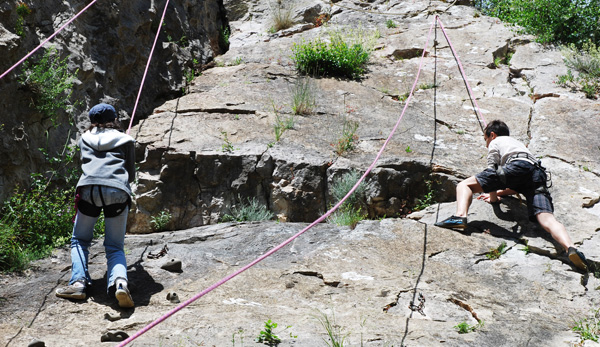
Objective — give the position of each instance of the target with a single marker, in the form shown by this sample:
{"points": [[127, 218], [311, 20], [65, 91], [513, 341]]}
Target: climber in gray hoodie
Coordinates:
{"points": [[107, 162]]}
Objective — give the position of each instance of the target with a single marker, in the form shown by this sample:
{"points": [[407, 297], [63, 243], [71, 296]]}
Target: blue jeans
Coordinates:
{"points": [[83, 232]]}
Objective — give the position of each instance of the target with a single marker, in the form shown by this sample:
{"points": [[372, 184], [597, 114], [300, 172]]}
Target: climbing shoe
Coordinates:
{"points": [[577, 258], [123, 296], [453, 222], [75, 291]]}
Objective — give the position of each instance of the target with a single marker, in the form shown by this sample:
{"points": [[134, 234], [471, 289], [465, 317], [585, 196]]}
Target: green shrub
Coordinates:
{"points": [[586, 61], [160, 221], [341, 57], [51, 83], [560, 21], [35, 220], [247, 212]]}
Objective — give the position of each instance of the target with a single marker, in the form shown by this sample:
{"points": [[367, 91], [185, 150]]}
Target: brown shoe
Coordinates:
{"points": [[578, 259]]}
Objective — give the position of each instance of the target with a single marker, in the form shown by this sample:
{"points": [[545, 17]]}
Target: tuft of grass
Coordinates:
{"points": [[281, 17], [348, 138], [335, 333], [248, 212], [588, 328], [350, 212], [303, 96], [281, 124]]}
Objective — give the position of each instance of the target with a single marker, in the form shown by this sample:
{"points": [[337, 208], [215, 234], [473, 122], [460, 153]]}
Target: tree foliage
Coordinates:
{"points": [[552, 21]]}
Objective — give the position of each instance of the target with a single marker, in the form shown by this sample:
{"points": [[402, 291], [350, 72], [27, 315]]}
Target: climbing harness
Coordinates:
{"points": [[544, 182], [93, 210]]}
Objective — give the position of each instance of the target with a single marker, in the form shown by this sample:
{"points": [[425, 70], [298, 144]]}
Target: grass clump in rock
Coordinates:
{"points": [[251, 211], [344, 55], [351, 211]]}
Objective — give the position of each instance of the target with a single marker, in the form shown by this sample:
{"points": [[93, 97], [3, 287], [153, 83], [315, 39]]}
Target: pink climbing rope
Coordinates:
{"points": [[319, 220], [147, 65], [462, 72], [48, 39]]}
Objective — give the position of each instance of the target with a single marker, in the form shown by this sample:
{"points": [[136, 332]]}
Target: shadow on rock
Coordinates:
{"points": [[141, 285]]}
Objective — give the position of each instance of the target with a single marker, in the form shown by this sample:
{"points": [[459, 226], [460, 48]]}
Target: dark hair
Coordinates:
{"points": [[116, 124], [498, 127]]}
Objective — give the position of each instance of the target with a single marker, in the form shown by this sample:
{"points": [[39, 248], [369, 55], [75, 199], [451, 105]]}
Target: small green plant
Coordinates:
{"points": [[350, 212], [408, 149], [426, 86], [495, 253], [465, 328], [224, 34], [390, 24], [51, 83], [226, 147], [22, 11], [526, 249], [160, 221], [247, 212], [428, 199], [240, 333], [267, 335], [348, 138], [237, 61], [497, 61], [303, 96], [281, 124], [588, 328], [335, 333]]}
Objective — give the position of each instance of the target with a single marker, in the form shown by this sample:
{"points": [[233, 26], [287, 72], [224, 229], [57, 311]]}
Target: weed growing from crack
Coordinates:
{"points": [[303, 96], [588, 328], [160, 221], [465, 328], [281, 124], [350, 213], [253, 210], [227, 147], [335, 333], [267, 335], [495, 253], [347, 140]]}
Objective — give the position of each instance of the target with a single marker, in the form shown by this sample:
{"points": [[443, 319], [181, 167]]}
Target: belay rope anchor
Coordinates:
{"points": [[418, 308]]}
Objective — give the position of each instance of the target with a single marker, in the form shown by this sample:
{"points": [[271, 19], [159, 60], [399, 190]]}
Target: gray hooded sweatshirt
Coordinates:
{"points": [[107, 159]]}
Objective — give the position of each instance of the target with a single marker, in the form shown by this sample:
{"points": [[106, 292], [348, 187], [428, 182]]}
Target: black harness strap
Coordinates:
{"points": [[110, 211]]}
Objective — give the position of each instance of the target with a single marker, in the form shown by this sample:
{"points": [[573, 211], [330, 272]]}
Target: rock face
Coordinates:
{"points": [[108, 45], [205, 152]]}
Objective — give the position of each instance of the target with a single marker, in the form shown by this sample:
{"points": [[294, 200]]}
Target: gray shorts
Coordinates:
{"points": [[523, 177]]}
